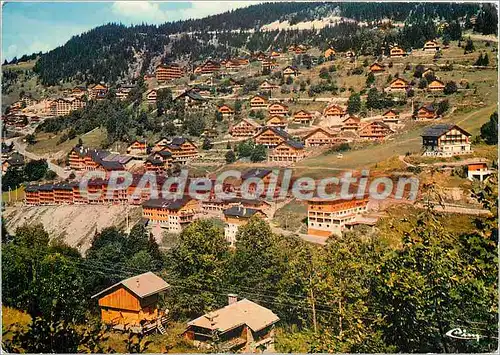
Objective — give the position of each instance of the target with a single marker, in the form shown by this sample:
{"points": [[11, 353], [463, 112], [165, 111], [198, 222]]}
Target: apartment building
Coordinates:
{"points": [[169, 72], [173, 215], [330, 217], [236, 217], [64, 106]]}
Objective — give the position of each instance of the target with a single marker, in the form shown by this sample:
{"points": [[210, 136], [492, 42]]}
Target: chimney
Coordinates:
{"points": [[232, 298], [137, 283]]}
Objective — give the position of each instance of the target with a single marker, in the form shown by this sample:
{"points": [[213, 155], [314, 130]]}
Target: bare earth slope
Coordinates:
{"points": [[75, 224]]}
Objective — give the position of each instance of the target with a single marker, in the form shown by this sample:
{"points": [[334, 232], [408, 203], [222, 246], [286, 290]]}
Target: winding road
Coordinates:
{"points": [[21, 148]]}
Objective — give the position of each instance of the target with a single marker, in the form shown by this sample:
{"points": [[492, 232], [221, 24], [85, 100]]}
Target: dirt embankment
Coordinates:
{"points": [[75, 224]]}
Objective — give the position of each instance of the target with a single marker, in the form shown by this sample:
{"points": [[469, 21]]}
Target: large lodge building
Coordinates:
{"points": [[327, 217], [63, 107], [87, 159], [173, 215], [169, 72]]}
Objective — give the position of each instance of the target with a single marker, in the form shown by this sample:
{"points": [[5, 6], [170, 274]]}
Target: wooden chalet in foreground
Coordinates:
{"points": [[241, 326], [133, 302]]}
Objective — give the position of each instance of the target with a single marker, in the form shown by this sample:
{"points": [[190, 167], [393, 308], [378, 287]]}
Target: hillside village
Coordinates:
{"points": [[426, 112]]}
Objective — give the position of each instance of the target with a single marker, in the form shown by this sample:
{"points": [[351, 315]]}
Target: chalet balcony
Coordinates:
{"points": [[155, 322]]}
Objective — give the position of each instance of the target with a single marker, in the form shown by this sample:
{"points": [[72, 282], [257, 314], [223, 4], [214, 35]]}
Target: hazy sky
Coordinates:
{"points": [[40, 26]]}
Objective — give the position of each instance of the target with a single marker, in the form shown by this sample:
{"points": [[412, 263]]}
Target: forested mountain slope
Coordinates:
{"points": [[107, 52]]}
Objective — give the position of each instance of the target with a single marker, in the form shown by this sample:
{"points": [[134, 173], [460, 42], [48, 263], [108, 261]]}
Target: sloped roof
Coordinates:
{"points": [[429, 107], [171, 204], [304, 111], [440, 129], [154, 161], [142, 285], [251, 122], [237, 211], [389, 111], [293, 143], [319, 129], [276, 130], [399, 79], [242, 312], [257, 172], [191, 94]]}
